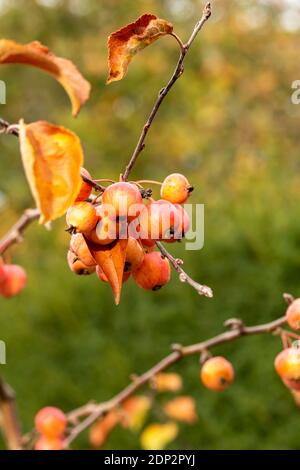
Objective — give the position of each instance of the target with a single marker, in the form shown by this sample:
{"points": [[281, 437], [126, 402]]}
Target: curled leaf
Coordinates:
{"points": [[167, 382], [157, 436], [52, 157], [128, 41], [38, 55], [182, 409], [111, 259], [134, 412]]}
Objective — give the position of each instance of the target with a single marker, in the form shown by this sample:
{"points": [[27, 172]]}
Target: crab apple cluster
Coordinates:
{"points": [[51, 424], [123, 211], [217, 373], [13, 279]]}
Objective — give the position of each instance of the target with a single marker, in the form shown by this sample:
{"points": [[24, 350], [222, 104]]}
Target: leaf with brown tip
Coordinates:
{"points": [[111, 259], [38, 55], [52, 158], [128, 41]]}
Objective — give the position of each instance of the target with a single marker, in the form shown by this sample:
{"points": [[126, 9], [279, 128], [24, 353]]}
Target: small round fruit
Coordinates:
{"points": [[121, 196], [217, 373], [182, 224], [134, 255], [104, 233], [86, 188], [176, 188], [79, 246], [49, 443], [51, 422], [81, 217], [13, 281], [184, 220], [293, 315], [287, 365], [77, 266], [2, 270], [158, 221], [153, 273]]}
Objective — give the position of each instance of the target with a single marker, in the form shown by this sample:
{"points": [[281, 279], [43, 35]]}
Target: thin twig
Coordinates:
{"points": [[163, 93], [92, 412], [9, 421], [183, 276]]}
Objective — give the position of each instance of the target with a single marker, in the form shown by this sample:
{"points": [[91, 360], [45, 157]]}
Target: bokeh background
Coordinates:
{"points": [[231, 128]]}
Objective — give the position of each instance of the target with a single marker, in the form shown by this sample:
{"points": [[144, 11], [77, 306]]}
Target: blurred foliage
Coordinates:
{"points": [[231, 127]]}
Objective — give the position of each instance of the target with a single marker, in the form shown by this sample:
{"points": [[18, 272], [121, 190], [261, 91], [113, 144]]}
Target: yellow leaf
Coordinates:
{"points": [[38, 55], [134, 412], [167, 382], [131, 39], [157, 436], [52, 157], [182, 409]]}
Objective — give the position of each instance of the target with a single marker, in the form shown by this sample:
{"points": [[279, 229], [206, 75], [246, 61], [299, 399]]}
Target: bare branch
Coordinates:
{"points": [[92, 412], [163, 93]]}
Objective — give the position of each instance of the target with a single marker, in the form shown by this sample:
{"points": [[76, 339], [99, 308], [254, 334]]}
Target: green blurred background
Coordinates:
{"points": [[231, 128]]}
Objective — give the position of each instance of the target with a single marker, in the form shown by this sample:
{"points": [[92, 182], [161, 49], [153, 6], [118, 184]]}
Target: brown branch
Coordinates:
{"points": [[15, 234], [9, 421], [92, 412], [183, 276], [163, 93]]}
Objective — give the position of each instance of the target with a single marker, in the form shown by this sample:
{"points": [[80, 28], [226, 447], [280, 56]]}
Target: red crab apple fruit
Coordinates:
{"points": [[79, 246], [13, 281], [293, 315], [217, 373], [121, 196], [153, 273], [81, 217], [51, 422], [134, 255], [158, 221], [287, 365], [77, 266], [49, 443], [176, 188]]}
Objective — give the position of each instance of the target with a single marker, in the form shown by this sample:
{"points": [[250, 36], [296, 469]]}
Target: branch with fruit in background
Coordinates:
{"points": [[56, 430], [60, 430]]}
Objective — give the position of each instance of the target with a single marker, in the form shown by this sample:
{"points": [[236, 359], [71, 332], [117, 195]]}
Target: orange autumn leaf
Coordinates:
{"points": [[102, 429], [157, 436], [181, 408], [52, 157], [134, 412], [111, 259], [128, 41], [167, 382], [38, 55]]}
